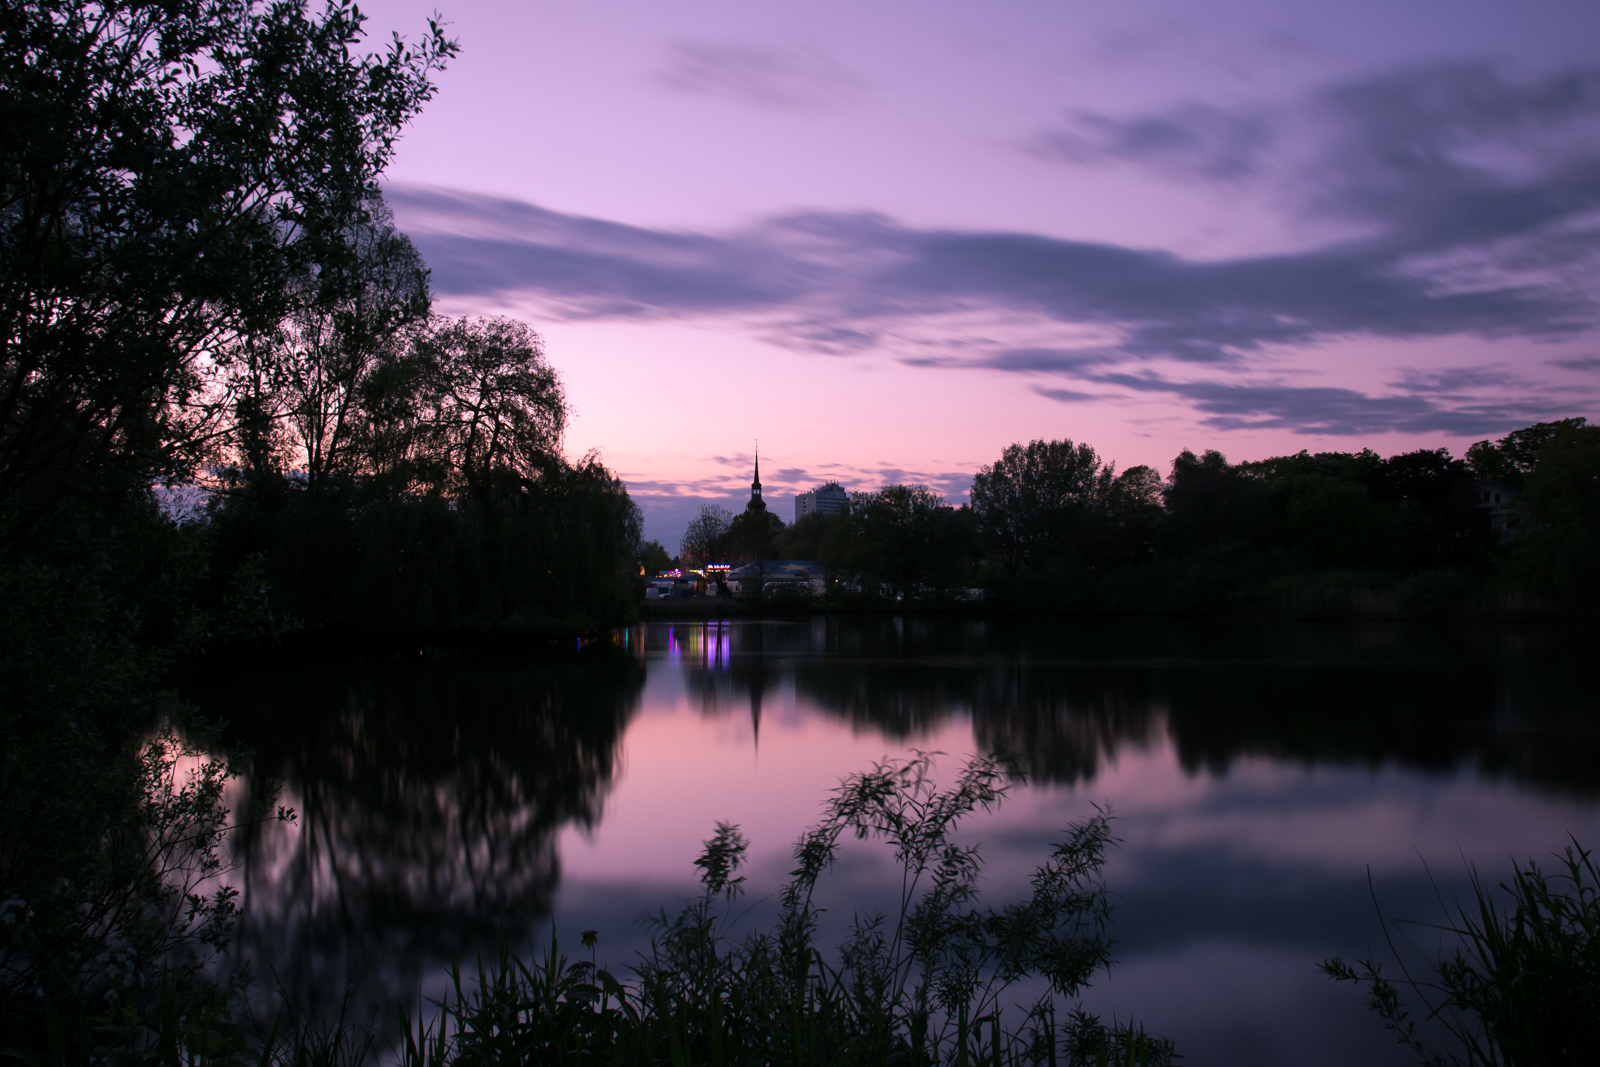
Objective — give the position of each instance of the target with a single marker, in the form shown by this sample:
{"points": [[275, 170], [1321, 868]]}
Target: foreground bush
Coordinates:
{"points": [[927, 986], [111, 873], [1522, 988]]}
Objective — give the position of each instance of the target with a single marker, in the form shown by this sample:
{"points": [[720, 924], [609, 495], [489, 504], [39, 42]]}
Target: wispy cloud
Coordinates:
{"points": [[771, 77], [1066, 396], [1325, 410], [1458, 381], [831, 280], [1458, 155], [1190, 140], [1474, 199]]}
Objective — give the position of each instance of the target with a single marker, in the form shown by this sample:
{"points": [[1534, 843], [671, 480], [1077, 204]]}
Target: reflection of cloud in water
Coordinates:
{"points": [[1256, 771]]}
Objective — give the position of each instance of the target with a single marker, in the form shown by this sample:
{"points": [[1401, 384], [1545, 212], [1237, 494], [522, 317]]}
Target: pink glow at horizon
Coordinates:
{"points": [[888, 241]]}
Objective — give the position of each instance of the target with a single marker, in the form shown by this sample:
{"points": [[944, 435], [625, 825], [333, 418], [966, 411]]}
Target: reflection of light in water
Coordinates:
{"points": [[1243, 859], [1249, 802]]}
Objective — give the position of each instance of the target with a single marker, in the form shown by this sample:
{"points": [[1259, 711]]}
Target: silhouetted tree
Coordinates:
{"points": [[706, 539], [1564, 487], [1435, 498], [903, 537], [1561, 551], [653, 558], [802, 539], [1133, 508], [1038, 499], [171, 174], [310, 392], [1209, 502], [490, 402], [753, 536], [167, 171], [1514, 456]]}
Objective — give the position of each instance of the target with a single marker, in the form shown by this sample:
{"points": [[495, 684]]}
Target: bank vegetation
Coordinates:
{"points": [[1509, 532]]}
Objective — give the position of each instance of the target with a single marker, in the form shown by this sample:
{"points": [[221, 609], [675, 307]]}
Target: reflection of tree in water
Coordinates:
{"points": [[905, 678], [429, 800], [1058, 724], [737, 668], [1062, 697], [1494, 718], [899, 700], [1325, 713]]}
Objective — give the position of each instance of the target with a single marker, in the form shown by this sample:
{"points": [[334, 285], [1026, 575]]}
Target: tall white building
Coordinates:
{"points": [[826, 499]]}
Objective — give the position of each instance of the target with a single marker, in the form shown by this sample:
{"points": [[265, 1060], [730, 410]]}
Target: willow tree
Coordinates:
{"points": [[168, 168], [306, 391], [489, 404]]}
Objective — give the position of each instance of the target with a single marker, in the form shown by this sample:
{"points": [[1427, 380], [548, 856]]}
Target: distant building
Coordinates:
{"points": [[802, 576], [826, 499], [756, 505], [1504, 505]]}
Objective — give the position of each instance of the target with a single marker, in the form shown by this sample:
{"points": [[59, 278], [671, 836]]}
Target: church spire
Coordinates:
{"points": [[756, 503]]}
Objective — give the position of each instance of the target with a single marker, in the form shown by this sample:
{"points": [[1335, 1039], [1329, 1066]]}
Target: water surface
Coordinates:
{"points": [[1258, 774]]}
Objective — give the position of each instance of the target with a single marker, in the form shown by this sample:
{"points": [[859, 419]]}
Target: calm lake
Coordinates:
{"points": [[1258, 774]]}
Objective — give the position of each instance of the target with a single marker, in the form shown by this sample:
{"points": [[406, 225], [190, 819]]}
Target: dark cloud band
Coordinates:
{"points": [[1467, 231], [852, 272]]}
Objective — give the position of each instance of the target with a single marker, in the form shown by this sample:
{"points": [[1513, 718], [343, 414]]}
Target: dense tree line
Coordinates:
{"points": [[900, 540], [1309, 533], [1053, 527], [201, 290], [200, 286], [419, 485]]}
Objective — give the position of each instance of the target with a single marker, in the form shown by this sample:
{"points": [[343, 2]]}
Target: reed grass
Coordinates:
{"points": [[1521, 987], [927, 985]]}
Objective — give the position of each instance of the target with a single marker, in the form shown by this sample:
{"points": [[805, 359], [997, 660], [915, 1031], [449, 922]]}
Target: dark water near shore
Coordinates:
{"points": [[1258, 773]]}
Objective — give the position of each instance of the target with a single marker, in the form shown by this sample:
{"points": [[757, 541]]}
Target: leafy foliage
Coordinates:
{"points": [[166, 171], [554, 552], [902, 539], [1559, 551], [653, 558], [312, 390], [1512, 458], [925, 988], [1522, 988], [443, 500], [1036, 497], [753, 537], [1414, 535], [492, 404]]}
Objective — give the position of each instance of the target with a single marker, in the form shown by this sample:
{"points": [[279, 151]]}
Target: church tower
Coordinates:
{"points": [[756, 503]]}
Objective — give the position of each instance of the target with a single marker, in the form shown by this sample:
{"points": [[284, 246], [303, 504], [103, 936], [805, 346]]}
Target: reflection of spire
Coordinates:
{"points": [[758, 682], [755, 715]]}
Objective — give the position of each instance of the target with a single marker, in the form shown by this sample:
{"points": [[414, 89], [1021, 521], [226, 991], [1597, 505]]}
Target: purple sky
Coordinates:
{"points": [[889, 239]]}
